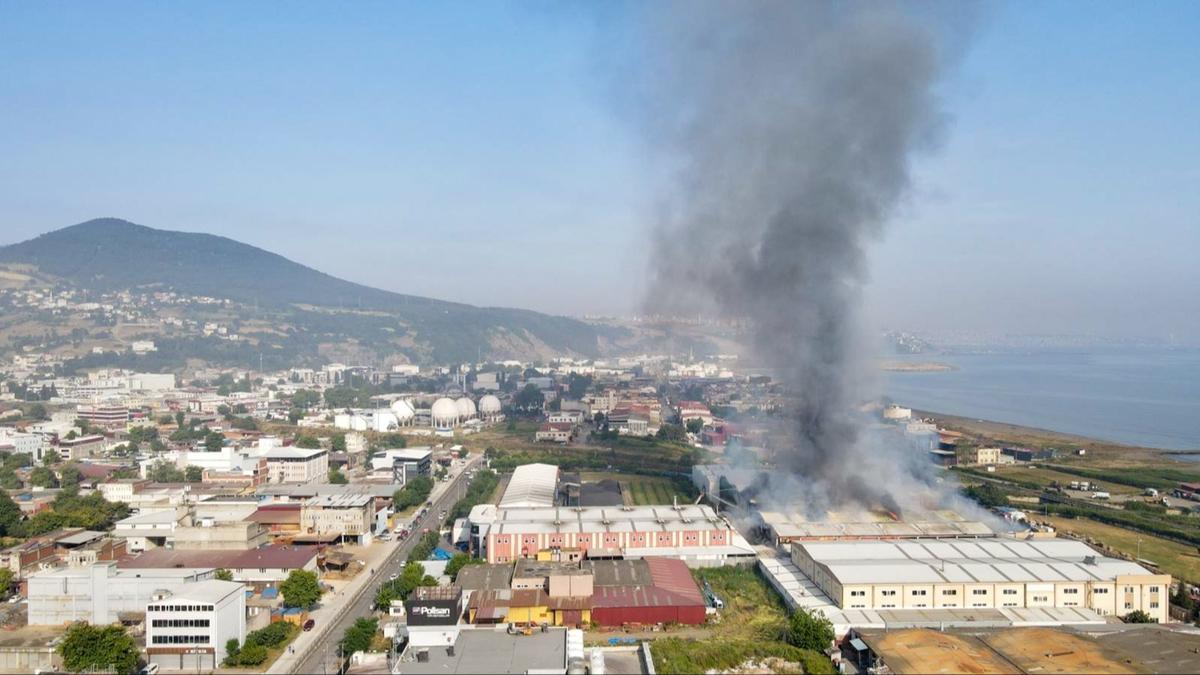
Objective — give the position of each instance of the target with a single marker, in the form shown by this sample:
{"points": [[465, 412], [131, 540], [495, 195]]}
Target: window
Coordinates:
{"points": [[857, 594], [1071, 591], [1100, 591], [979, 591], [920, 592], [887, 594], [949, 591], [1041, 598], [1153, 604], [1129, 605], [1010, 591]]}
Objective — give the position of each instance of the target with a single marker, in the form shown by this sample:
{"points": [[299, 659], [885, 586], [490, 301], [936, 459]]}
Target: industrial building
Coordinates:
{"points": [[531, 485], [693, 533], [997, 573], [784, 528], [188, 627], [101, 593]]}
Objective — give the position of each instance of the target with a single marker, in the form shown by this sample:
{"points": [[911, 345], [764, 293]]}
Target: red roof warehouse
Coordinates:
{"points": [[671, 597]]}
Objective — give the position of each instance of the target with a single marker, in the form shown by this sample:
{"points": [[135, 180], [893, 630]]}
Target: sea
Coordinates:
{"points": [[1146, 396]]}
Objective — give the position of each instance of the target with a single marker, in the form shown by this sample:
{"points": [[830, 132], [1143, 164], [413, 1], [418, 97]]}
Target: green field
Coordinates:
{"points": [[646, 490], [1181, 562]]}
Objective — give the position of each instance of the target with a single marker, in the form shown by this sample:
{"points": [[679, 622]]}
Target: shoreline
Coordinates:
{"points": [[1034, 436]]}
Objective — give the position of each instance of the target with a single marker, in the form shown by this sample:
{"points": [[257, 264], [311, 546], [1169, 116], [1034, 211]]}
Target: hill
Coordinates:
{"points": [[109, 255]]}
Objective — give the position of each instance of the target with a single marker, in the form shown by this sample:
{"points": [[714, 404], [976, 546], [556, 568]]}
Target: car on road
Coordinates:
{"points": [[308, 625], [393, 577]]}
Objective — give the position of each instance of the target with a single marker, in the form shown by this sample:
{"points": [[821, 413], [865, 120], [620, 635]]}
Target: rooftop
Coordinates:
{"points": [[211, 590], [272, 557], [291, 452], [965, 561], [531, 485], [484, 577], [353, 501], [492, 651]]}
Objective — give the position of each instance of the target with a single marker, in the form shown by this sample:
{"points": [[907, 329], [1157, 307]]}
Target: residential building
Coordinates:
{"points": [[348, 516], [209, 535], [555, 432]]}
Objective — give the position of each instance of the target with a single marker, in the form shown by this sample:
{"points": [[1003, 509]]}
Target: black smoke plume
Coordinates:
{"points": [[790, 126]]}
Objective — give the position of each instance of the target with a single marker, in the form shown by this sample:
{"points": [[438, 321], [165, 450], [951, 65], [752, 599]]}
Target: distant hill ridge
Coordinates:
{"points": [[110, 254]]}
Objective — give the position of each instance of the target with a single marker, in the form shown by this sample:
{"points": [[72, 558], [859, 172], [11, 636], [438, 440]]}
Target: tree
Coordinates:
{"points": [[988, 495], [300, 589], [415, 491], [306, 441], [459, 561], [1138, 616], [252, 655], [87, 647], [232, 649], [529, 400], [193, 474], [6, 581], [214, 441], [337, 477], [338, 443], [412, 576], [38, 412], [359, 635], [223, 574], [9, 479], [577, 385], [694, 425], [179, 419], [70, 475], [671, 432], [393, 441], [10, 516], [163, 471], [810, 630], [51, 458], [43, 477]]}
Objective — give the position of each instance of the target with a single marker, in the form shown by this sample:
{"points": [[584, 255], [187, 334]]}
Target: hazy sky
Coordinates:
{"points": [[471, 152]]}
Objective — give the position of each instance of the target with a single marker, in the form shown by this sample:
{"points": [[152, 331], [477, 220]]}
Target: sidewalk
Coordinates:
{"points": [[346, 593]]}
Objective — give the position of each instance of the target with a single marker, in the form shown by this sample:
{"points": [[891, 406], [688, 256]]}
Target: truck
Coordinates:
{"points": [[1151, 492], [1100, 495]]}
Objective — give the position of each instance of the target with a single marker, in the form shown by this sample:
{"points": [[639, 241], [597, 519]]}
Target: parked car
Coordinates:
{"points": [[308, 625]]}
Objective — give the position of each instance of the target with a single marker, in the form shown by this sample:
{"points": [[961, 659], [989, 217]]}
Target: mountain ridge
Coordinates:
{"points": [[112, 254]]}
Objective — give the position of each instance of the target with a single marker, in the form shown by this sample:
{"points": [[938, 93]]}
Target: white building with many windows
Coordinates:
{"points": [[187, 627], [297, 465], [985, 573]]}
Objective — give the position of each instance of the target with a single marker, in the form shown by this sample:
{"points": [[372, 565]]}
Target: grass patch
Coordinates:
{"points": [[1178, 560], [679, 655], [1136, 476], [1043, 477], [648, 490]]}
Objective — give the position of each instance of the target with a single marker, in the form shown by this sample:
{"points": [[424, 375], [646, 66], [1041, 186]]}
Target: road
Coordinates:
{"points": [[320, 655]]}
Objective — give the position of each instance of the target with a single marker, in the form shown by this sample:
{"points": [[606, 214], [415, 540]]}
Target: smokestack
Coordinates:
{"points": [[791, 126]]}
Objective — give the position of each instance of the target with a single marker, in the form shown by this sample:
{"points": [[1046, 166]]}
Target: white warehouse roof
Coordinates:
{"points": [[966, 561], [531, 485]]}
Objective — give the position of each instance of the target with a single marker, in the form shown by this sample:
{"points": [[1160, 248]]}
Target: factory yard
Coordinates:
{"points": [[1178, 560]]}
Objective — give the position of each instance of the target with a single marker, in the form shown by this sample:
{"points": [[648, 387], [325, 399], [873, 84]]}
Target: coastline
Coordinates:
{"points": [[1107, 451]]}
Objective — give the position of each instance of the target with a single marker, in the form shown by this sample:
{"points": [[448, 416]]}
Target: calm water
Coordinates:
{"points": [[1147, 397]]}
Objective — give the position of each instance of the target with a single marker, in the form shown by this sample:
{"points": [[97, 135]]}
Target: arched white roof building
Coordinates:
{"points": [[444, 413], [466, 408]]}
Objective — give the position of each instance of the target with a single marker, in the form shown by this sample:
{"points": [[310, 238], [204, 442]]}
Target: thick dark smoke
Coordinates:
{"points": [[792, 125]]}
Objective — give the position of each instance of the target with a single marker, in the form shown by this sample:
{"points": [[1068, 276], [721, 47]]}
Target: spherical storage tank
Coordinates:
{"points": [[466, 408], [403, 410], [489, 405], [444, 413]]}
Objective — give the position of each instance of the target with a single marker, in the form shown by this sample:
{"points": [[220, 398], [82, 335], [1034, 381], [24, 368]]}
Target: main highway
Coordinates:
{"points": [[321, 654]]}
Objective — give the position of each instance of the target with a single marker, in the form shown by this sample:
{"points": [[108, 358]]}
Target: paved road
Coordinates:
{"points": [[322, 655]]}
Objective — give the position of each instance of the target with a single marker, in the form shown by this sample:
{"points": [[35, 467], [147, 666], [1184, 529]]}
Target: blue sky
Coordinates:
{"points": [[470, 152]]}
